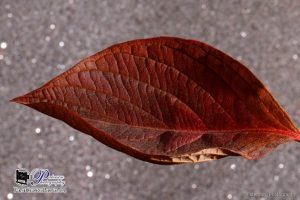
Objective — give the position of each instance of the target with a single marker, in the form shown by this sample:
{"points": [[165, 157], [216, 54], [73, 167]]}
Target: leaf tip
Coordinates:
{"points": [[21, 100]]}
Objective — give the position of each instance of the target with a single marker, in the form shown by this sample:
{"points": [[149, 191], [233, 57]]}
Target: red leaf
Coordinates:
{"points": [[167, 100]]}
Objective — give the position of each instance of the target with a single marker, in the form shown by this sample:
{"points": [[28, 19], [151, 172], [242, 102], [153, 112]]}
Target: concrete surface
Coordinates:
{"points": [[265, 35]]}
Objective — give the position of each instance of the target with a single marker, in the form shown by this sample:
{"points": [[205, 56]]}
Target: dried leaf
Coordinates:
{"points": [[167, 100]]}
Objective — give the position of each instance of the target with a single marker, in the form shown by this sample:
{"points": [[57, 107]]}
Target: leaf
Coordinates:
{"points": [[167, 100]]}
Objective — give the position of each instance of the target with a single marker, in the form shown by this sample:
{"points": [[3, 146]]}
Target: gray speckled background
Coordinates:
{"points": [[265, 35]]}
